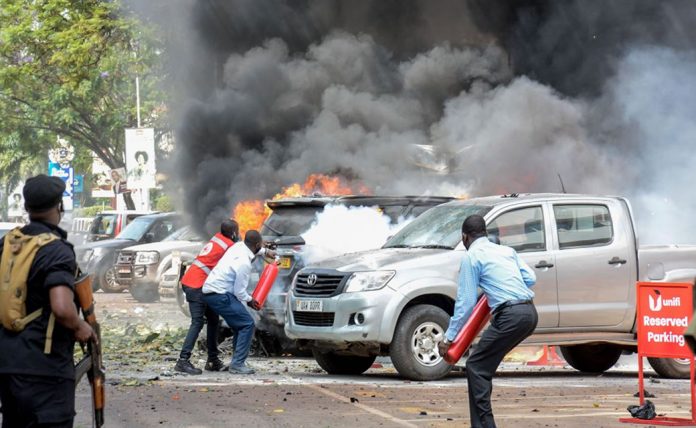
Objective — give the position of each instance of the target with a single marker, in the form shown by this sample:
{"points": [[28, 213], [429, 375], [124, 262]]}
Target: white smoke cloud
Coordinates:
{"points": [[340, 230]]}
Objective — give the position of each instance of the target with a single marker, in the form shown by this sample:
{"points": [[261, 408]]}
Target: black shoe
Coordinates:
{"points": [[185, 366], [215, 365]]}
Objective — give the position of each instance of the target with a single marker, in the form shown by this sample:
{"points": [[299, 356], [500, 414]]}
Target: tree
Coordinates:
{"points": [[68, 68]]}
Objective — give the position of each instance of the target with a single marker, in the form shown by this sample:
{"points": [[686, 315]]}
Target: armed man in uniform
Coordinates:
{"points": [[37, 374]]}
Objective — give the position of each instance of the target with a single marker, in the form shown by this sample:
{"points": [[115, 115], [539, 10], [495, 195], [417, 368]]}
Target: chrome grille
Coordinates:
{"points": [[316, 284], [313, 319]]}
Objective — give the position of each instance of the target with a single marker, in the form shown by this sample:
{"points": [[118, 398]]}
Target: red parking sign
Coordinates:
{"points": [[664, 313]]}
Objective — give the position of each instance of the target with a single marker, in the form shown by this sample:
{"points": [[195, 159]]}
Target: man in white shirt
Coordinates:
{"points": [[225, 292]]}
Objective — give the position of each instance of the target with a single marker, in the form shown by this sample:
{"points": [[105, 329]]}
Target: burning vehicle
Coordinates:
{"points": [[397, 300], [291, 218]]}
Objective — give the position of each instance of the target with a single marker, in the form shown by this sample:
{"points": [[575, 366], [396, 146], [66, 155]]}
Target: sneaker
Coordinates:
{"points": [[185, 366], [241, 370], [215, 365]]}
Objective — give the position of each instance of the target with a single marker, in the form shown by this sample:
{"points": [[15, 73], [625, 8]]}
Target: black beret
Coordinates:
{"points": [[42, 192]]}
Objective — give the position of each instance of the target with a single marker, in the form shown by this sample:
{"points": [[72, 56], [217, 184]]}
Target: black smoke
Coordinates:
{"points": [[509, 93]]}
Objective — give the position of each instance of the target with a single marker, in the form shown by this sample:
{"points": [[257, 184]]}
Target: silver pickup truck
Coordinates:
{"points": [[397, 300]]}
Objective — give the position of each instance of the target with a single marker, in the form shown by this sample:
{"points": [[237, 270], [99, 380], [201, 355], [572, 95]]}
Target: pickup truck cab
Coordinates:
{"points": [[397, 300]]}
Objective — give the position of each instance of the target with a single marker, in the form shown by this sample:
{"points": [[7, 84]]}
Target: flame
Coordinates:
{"points": [[251, 214]]}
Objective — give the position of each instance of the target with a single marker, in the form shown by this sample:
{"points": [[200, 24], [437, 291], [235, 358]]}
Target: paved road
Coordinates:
{"points": [[291, 392]]}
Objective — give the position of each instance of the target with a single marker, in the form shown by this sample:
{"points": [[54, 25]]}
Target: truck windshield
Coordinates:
{"points": [[290, 221], [136, 229], [439, 227]]}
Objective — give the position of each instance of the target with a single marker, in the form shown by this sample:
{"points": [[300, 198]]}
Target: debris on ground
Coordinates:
{"points": [[646, 411], [646, 394]]}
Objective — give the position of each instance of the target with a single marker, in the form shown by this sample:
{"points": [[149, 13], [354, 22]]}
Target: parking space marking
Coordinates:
{"points": [[369, 409]]}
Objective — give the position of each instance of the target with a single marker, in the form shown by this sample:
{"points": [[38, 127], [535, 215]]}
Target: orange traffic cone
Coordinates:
{"points": [[549, 357]]}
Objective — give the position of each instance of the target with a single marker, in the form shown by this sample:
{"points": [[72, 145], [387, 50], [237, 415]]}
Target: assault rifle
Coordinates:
{"points": [[91, 364]]}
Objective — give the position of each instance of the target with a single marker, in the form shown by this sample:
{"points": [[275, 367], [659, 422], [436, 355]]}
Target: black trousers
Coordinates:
{"points": [[200, 313], [509, 326], [37, 401]]}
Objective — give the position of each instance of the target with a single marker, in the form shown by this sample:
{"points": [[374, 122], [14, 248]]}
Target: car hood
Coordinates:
{"points": [[381, 259], [165, 246]]}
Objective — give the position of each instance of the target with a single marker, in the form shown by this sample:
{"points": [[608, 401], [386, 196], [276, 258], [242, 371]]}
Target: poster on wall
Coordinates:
{"points": [[140, 158]]}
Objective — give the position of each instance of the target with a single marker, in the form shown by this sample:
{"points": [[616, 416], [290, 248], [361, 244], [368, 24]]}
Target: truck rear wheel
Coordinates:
{"points": [[414, 349], [342, 364], [672, 368], [591, 358]]}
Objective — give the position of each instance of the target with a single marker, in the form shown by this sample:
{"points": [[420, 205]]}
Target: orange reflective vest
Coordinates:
{"points": [[206, 260]]}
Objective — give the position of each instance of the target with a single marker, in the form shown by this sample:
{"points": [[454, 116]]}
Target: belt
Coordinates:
{"points": [[509, 303]]}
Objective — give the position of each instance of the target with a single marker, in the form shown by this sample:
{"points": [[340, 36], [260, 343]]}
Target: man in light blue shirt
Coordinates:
{"points": [[225, 292], [505, 280]]}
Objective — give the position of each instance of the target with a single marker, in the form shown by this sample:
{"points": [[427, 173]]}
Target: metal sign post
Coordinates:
{"points": [[664, 312]]}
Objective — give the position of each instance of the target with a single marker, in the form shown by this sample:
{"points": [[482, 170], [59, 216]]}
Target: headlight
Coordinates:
{"points": [[86, 256], [146, 257], [366, 281]]}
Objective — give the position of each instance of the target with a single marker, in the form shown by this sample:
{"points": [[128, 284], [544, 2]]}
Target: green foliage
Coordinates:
{"points": [[164, 203], [89, 211], [68, 68]]}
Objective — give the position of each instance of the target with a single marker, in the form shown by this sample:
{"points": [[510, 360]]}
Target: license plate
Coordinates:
{"points": [[308, 305], [124, 269], [285, 263]]}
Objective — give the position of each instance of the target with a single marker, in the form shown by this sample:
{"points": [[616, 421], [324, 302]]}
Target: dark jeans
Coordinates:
{"points": [[508, 328], [37, 401], [240, 321], [199, 311]]}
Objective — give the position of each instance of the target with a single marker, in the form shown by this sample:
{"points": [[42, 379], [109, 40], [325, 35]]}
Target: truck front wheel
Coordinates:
{"points": [[413, 349], [591, 358], [672, 368], [342, 364]]}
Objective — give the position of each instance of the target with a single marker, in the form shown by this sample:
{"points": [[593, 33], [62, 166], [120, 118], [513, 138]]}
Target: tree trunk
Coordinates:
{"points": [[128, 200]]}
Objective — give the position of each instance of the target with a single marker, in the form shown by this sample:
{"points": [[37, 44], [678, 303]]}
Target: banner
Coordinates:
{"points": [[100, 187], [15, 204], [140, 158], [118, 181], [67, 175]]}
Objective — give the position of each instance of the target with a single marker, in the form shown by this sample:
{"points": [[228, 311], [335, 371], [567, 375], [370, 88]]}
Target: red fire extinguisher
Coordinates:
{"points": [[479, 317], [268, 277]]}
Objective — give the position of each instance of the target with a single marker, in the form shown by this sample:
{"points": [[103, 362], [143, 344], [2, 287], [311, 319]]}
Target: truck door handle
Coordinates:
{"points": [[543, 264], [616, 261]]}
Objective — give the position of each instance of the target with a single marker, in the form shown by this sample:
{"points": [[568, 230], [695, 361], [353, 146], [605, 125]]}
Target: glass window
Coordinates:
{"points": [[104, 224], [583, 225], [136, 229], [521, 229]]}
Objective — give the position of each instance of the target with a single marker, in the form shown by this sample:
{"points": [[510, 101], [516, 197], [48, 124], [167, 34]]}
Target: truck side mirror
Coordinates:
{"points": [[149, 237]]}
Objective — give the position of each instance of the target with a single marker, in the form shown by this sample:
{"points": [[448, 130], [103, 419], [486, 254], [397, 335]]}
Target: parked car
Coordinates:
{"points": [[108, 224], [141, 267], [7, 226], [99, 257], [397, 300]]}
